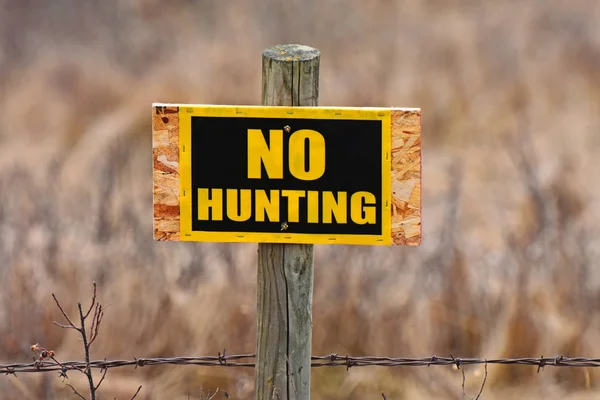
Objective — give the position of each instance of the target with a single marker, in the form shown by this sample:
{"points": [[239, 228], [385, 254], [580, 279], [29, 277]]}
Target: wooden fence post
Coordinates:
{"points": [[290, 77]]}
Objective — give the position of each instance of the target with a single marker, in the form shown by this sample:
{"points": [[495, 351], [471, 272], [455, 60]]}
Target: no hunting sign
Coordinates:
{"points": [[311, 175]]}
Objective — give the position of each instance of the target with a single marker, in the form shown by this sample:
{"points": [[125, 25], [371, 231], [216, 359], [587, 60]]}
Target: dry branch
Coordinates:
{"points": [[75, 391], [87, 340], [136, 392], [482, 383]]}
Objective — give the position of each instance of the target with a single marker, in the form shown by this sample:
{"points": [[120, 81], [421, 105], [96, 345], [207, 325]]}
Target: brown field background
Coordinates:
{"points": [[510, 92]]}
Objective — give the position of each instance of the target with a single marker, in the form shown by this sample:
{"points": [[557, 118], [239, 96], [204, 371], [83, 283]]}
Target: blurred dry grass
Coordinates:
{"points": [[511, 101]]}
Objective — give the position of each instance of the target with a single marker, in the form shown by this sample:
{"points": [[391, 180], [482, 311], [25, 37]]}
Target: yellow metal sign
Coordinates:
{"points": [[284, 174]]}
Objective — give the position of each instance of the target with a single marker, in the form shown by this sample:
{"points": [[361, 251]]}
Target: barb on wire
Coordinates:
{"points": [[330, 360]]}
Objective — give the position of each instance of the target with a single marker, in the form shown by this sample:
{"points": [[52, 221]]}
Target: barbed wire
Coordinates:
{"points": [[331, 360], [47, 360]]}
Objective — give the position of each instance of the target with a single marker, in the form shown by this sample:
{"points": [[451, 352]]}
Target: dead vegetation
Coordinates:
{"points": [[509, 97]]}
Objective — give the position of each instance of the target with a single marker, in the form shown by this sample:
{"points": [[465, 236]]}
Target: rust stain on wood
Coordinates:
{"points": [[165, 149], [406, 177]]}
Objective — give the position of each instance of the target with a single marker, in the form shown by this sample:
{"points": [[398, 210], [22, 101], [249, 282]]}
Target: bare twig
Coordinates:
{"points": [[94, 320], [98, 314], [65, 326], [86, 346], [482, 383], [75, 391], [463, 383], [136, 393], [383, 395], [93, 301], [101, 379], [72, 325]]}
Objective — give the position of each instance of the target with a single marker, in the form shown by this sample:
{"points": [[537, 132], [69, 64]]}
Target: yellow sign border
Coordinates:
{"points": [[340, 113]]}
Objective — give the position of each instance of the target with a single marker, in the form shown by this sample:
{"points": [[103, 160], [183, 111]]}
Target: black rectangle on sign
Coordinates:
{"points": [[353, 172]]}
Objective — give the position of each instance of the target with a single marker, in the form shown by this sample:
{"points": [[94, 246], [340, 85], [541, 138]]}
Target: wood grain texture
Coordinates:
{"points": [[165, 155], [286, 271], [272, 336], [406, 177], [299, 274]]}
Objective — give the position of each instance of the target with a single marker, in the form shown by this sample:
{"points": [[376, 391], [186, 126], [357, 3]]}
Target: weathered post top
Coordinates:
{"points": [[297, 52], [291, 76]]}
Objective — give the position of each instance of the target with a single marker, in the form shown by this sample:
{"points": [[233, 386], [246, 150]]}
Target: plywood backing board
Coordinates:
{"points": [[165, 156], [406, 177]]}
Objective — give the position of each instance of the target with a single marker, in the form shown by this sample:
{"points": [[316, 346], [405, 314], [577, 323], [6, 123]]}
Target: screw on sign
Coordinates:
{"points": [[287, 175]]}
